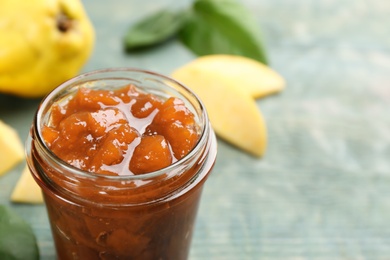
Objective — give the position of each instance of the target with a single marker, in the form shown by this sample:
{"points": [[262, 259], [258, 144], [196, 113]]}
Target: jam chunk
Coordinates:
{"points": [[144, 105], [92, 100], [177, 124], [113, 148], [151, 154]]}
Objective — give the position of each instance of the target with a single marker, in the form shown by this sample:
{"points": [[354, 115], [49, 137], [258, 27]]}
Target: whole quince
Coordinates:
{"points": [[42, 44]]}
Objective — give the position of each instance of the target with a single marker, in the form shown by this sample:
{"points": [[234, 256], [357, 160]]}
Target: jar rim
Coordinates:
{"points": [[203, 118]]}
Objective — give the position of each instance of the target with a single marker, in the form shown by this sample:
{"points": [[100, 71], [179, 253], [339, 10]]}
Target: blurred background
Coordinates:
{"points": [[322, 189]]}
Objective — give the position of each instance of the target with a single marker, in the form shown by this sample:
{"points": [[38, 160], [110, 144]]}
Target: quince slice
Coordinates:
{"points": [[11, 148], [233, 113], [26, 189], [252, 76]]}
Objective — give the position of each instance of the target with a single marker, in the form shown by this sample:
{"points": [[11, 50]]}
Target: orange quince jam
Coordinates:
{"points": [[120, 132]]}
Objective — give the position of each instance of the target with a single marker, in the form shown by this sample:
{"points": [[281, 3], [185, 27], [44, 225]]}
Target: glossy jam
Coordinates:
{"points": [[121, 131]]}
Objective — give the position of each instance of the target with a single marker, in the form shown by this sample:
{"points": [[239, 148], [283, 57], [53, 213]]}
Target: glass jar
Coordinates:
{"points": [[146, 216]]}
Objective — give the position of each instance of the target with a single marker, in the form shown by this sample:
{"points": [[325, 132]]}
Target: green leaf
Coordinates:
{"points": [[17, 240], [223, 27], [154, 29]]}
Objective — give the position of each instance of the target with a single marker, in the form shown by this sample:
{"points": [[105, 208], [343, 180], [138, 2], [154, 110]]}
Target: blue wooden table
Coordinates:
{"points": [[322, 189]]}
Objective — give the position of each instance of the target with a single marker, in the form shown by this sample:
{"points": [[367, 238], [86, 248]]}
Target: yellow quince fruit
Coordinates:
{"points": [[42, 44], [228, 86], [26, 189], [11, 148], [233, 112]]}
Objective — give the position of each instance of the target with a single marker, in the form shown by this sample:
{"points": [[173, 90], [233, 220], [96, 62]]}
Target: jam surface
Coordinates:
{"points": [[120, 132]]}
